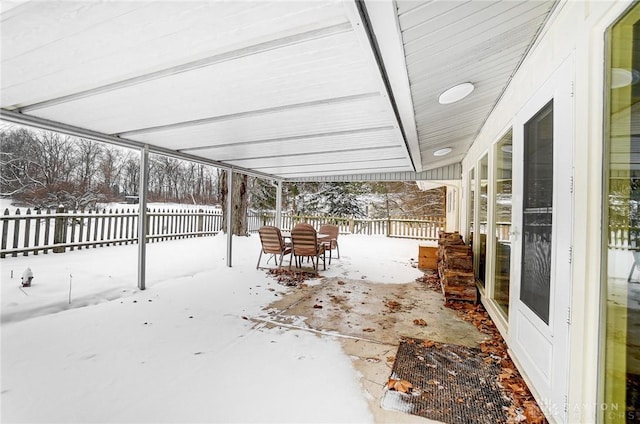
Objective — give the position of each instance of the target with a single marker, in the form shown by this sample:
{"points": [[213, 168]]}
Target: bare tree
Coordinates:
{"points": [[89, 154], [131, 174], [111, 168], [238, 199], [18, 170], [55, 156]]}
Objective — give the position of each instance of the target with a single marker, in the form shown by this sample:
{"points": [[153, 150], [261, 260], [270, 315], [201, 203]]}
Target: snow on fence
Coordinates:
{"points": [[58, 230], [624, 237]]}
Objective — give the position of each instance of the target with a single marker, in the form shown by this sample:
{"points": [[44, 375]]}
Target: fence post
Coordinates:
{"points": [[351, 225], [5, 231], [388, 226], [200, 222], [59, 231]]}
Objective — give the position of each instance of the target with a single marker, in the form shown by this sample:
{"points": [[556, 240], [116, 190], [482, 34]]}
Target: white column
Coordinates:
{"points": [[229, 214], [142, 217], [278, 222]]}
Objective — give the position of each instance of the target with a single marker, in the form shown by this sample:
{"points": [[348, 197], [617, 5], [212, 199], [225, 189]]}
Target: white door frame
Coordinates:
{"points": [[541, 350]]}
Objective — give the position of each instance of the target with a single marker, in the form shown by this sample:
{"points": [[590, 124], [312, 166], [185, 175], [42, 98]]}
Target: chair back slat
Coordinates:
{"points": [[305, 241], [271, 239], [331, 230]]}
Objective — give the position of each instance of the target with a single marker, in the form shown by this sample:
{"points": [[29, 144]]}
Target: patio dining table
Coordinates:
{"points": [[321, 237]]}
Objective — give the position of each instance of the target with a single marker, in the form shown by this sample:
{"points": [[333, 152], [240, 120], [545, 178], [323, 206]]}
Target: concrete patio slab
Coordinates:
{"points": [[369, 319]]}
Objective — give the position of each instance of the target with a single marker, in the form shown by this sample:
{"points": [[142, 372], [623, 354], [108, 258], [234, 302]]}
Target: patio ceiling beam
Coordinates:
{"points": [[302, 165], [357, 12], [45, 124], [378, 168], [196, 64], [360, 149], [250, 113], [290, 138], [449, 172], [383, 20]]}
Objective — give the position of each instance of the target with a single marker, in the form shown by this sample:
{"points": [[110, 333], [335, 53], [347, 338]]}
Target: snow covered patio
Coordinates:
{"points": [[207, 343]]}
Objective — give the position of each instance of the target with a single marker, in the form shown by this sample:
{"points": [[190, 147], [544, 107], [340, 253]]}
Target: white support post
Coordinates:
{"points": [[142, 216], [229, 214], [278, 222]]}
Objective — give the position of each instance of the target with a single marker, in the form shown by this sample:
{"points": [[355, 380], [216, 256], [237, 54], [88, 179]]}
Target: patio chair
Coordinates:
{"points": [[332, 243], [305, 245], [273, 244]]}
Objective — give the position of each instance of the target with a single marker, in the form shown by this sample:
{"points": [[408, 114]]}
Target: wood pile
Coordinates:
{"points": [[455, 267]]}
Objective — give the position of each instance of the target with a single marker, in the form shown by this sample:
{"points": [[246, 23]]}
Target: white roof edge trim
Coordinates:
{"points": [[444, 173], [357, 13], [386, 28], [45, 124]]}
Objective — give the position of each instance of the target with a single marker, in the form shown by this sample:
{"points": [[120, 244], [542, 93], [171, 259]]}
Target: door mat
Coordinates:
{"points": [[445, 382]]}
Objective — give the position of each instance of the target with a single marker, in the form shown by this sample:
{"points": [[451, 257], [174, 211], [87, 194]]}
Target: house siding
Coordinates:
{"points": [[576, 31]]}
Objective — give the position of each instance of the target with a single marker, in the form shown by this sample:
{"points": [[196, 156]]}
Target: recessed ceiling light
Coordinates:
{"points": [[456, 93], [442, 152]]}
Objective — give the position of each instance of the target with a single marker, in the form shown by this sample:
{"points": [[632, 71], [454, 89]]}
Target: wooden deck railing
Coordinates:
{"points": [[58, 230]]}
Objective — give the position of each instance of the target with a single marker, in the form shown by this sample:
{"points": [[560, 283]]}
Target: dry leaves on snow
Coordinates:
{"points": [[291, 278], [420, 322]]}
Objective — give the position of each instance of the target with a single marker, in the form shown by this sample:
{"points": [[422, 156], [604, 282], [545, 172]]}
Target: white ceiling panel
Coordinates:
{"points": [[87, 44], [351, 114], [303, 145], [290, 171], [448, 43], [275, 88], [310, 158], [290, 75]]}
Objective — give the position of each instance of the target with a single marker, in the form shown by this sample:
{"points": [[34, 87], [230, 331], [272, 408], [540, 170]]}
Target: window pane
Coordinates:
{"points": [[472, 198], [502, 219], [482, 217], [622, 203], [537, 212]]}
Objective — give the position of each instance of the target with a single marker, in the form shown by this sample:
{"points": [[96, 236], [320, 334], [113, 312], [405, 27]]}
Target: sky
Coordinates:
{"points": [[84, 345]]}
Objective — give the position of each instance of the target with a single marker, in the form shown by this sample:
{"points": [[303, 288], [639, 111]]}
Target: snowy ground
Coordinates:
{"points": [[84, 345]]}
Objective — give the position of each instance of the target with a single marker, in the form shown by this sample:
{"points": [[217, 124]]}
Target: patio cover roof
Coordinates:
{"points": [[299, 90]]}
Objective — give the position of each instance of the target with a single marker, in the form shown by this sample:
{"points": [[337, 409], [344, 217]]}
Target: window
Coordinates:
{"points": [[502, 222], [537, 213], [482, 220], [471, 211], [621, 256]]}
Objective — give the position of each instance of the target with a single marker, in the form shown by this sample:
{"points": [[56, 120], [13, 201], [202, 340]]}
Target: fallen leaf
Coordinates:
{"points": [[402, 386], [428, 343], [420, 322], [368, 330], [316, 306], [391, 358], [393, 305]]}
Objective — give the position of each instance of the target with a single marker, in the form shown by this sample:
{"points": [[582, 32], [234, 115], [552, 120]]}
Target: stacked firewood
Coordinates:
{"points": [[455, 267]]}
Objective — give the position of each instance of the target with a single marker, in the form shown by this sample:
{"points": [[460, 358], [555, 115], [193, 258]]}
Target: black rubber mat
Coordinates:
{"points": [[451, 384]]}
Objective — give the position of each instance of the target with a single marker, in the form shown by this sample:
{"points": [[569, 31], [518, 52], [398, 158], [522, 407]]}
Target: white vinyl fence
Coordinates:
{"points": [[57, 230]]}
